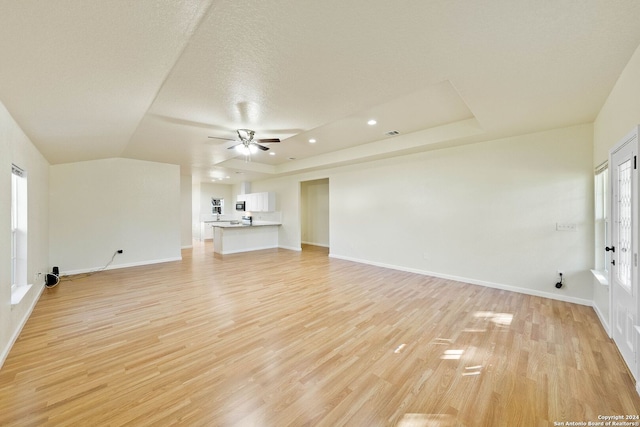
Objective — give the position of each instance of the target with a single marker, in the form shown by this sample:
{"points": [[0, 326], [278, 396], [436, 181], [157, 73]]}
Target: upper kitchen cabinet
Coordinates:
{"points": [[259, 202]]}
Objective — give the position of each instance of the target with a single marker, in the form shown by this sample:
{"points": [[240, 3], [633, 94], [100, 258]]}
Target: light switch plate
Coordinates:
{"points": [[566, 226]]}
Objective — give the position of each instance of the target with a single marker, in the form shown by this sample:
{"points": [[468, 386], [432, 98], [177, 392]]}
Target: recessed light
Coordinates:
{"points": [[372, 122], [312, 141], [272, 153]]}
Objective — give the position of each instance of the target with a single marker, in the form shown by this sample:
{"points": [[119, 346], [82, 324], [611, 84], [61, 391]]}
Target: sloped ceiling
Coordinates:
{"points": [[151, 79]]}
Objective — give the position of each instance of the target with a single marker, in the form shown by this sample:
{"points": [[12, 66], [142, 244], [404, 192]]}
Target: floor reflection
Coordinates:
{"points": [[426, 420]]}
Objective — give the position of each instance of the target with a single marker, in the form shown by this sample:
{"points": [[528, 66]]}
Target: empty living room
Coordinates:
{"points": [[286, 213]]}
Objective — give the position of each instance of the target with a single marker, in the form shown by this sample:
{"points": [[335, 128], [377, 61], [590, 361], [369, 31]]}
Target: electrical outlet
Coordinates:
{"points": [[560, 281]]}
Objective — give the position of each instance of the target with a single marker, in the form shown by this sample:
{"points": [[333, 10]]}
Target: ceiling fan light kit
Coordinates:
{"points": [[247, 145], [246, 149]]}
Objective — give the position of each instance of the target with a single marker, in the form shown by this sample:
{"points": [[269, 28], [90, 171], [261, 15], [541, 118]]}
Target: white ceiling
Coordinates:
{"points": [[151, 79]]}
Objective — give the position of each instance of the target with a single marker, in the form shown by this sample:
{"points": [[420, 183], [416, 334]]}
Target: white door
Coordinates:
{"points": [[623, 249]]}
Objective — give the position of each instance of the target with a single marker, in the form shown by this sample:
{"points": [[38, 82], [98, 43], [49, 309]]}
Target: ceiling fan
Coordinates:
{"points": [[247, 145]]}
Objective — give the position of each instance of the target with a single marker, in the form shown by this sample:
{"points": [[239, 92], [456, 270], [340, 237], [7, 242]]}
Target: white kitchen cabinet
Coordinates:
{"points": [[259, 202], [270, 201], [253, 203], [265, 202], [229, 239]]}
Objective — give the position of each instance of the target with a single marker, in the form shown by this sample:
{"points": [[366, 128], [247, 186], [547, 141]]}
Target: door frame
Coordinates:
{"points": [[628, 139], [302, 195]]}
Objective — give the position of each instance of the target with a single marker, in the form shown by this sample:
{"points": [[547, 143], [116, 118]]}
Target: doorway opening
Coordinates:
{"points": [[314, 215]]}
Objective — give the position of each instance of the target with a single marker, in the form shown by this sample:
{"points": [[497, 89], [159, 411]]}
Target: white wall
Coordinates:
{"points": [[100, 206], [16, 148], [618, 116], [620, 112], [315, 212], [196, 226], [219, 191], [186, 235], [201, 207], [484, 213]]}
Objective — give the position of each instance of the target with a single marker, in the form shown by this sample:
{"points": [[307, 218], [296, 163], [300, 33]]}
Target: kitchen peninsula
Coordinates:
{"points": [[231, 238]]}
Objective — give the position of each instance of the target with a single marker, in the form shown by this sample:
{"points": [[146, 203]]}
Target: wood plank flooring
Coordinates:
{"points": [[280, 338]]}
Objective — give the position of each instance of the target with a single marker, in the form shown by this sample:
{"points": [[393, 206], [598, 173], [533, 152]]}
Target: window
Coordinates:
{"points": [[217, 205], [18, 230], [601, 186]]}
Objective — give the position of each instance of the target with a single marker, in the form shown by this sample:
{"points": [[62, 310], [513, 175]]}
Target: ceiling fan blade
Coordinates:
{"points": [[234, 145], [218, 137], [268, 140], [262, 147]]}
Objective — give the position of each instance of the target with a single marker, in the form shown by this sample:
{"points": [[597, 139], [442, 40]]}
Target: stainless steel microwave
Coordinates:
{"points": [[240, 206]]}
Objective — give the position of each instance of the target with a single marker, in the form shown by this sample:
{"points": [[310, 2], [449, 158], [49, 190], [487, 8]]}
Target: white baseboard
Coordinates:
{"points": [[117, 266], [187, 247], [470, 281], [16, 333], [291, 248], [603, 320]]}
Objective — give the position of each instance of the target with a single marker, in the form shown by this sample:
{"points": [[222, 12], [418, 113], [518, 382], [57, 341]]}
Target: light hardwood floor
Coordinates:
{"points": [[279, 338]]}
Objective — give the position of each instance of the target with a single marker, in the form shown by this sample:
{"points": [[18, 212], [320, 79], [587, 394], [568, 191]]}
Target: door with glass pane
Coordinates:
{"points": [[623, 250]]}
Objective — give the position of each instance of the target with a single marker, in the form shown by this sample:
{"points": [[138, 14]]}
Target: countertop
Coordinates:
{"points": [[227, 224]]}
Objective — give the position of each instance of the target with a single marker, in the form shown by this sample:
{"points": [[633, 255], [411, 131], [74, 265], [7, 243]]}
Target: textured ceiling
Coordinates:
{"points": [[150, 79]]}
